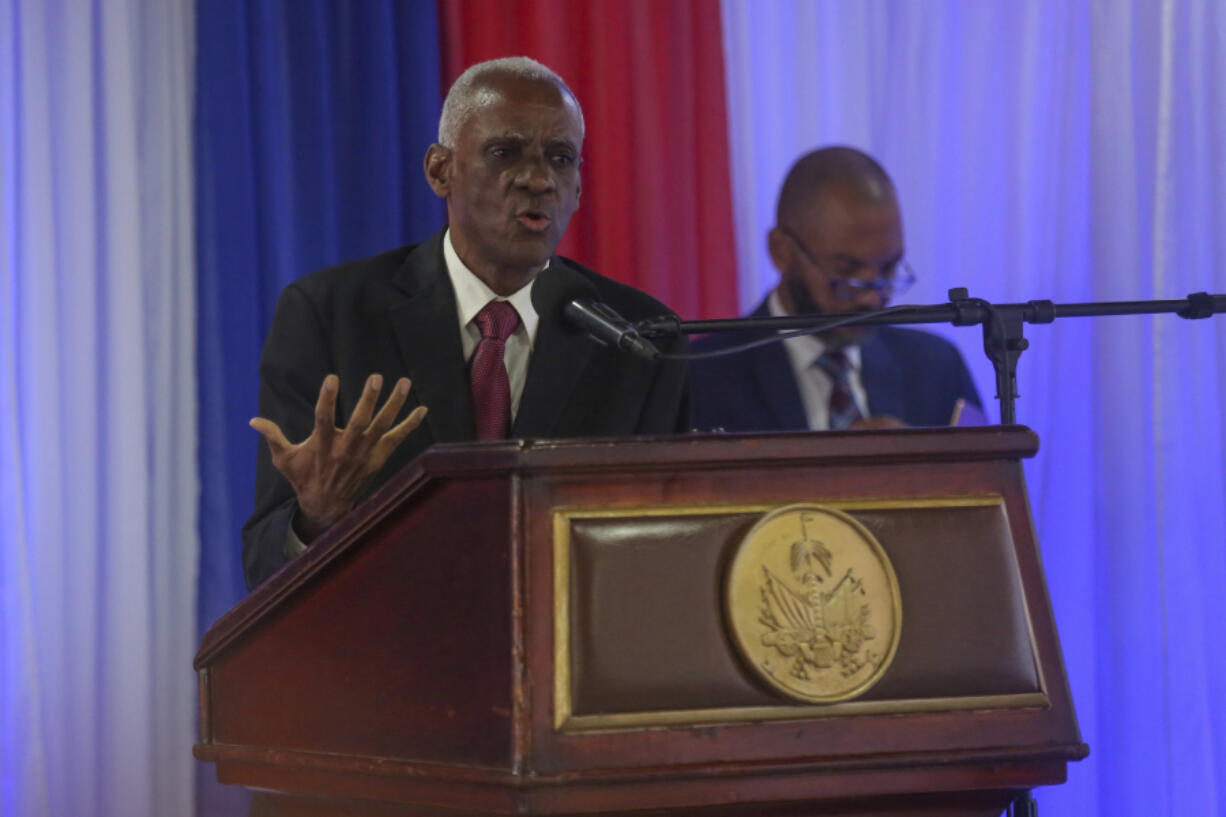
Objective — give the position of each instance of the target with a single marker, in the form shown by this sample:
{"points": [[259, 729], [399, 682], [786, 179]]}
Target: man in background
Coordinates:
{"points": [[838, 246], [471, 317]]}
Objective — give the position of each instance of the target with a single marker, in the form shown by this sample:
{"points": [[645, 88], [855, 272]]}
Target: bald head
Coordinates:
{"points": [[854, 173], [838, 220]]}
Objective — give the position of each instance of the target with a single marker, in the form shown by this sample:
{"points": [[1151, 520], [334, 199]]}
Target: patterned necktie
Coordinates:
{"points": [[490, 384], [843, 411]]}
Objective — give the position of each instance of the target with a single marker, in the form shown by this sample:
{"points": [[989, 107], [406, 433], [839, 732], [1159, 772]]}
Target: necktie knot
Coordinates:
{"points": [[835, 364], [497, 320]]}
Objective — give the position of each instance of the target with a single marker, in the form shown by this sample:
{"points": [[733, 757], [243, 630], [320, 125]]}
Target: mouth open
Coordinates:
{"points": [[534, 220]]}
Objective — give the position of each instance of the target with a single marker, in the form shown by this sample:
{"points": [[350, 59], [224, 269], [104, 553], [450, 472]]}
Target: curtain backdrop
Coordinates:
{"points": [[656, 210], [98, 541], [1071, 151], [1074, 152], [312, 119]]}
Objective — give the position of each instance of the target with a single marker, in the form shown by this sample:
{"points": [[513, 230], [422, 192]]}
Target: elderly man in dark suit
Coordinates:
{"points": [[838, 246], [466, 323]]}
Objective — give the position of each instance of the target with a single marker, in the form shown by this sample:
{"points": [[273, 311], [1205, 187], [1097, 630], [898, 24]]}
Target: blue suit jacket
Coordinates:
{"points": [[914, 376]]}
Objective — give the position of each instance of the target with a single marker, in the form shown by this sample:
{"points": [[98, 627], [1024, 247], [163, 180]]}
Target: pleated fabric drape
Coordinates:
{"points": [[312, 119], [1067, 151], [98, 476]]}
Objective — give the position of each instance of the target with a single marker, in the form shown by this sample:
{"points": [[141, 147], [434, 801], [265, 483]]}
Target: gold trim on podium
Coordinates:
{"points": [[747, 714]]}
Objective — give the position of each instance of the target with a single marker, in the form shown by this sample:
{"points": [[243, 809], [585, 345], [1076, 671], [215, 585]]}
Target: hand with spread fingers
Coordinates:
{"points": [[330, 469]]}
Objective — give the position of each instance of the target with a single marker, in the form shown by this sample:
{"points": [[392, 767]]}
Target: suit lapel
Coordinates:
{"points": [[776, 381], [880, 376], [559, 357], [428, 338], [777, 384]]}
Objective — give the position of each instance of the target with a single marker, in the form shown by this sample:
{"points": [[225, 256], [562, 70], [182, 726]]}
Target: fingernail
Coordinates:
{"points": [[330, 382], [376, 382], [402, 387]]}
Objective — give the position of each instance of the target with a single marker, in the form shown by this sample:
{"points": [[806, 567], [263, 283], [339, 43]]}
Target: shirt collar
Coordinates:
{"points": [[806, 349], [472, 294]]}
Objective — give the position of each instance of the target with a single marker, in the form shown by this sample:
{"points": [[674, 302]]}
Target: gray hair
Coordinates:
{"points": [[469, 92]]}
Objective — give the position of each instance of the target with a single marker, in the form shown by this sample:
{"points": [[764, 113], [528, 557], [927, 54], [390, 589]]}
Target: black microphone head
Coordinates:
{"points": [[554, 288], [567, 298]]}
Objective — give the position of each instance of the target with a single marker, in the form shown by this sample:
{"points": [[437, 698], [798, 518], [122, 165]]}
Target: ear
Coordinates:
{"points": [[438, 166], [780, 249]]}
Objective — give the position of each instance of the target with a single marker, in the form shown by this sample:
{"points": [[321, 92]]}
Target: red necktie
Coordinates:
{"points": [[490, 384]]}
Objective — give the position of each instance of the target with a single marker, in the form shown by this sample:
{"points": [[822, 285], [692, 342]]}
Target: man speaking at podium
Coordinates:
{"points": [[838, 246], [467, 324]]}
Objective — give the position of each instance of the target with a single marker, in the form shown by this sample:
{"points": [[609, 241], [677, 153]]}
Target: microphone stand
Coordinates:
{"points": [[1003, 336]]}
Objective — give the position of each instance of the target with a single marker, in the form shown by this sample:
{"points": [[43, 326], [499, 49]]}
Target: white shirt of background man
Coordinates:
{"points": [[813, 382]]}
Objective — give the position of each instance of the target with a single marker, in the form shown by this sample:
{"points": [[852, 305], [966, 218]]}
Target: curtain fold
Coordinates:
{"points": [[1068, 152], [312, 119], [97, 465]]}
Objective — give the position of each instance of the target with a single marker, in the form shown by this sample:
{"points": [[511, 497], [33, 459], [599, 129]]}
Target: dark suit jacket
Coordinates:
{"points": [[395, 314], [914, 376]]}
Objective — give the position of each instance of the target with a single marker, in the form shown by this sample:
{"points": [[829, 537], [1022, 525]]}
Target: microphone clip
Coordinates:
{"points": [[602, 323]]}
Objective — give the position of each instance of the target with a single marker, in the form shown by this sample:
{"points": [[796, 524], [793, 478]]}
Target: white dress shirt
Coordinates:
{"points": [[813, 382]]}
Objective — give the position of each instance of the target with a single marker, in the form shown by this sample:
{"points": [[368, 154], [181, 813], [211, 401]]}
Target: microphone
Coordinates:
{"points": [[602, 323]]}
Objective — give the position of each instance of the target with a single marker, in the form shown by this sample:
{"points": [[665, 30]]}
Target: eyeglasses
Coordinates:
{"points": [[850, 288]]}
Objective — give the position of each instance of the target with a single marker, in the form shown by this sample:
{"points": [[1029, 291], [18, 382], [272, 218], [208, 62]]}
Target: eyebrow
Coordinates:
{"points": [[520, 139]]}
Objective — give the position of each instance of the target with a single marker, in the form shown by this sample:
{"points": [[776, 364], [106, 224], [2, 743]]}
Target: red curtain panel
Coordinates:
{"points": [[656, 210]]}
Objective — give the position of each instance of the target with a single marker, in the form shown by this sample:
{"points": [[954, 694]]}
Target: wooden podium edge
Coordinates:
{"points": [[494, 792], [224, 754]]}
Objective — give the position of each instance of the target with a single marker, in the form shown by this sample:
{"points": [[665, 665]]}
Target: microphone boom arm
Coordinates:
{"points": [[1003, 325]]}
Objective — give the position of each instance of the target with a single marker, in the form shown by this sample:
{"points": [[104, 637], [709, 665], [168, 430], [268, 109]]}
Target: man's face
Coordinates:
{"points": [[512, 180], [841, 235]]}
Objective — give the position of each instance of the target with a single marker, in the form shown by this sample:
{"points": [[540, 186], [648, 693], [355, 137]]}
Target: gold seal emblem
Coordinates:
{"points": [[813, 604]]}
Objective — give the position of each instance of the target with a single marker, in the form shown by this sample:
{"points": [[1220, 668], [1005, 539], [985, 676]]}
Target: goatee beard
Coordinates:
{"points": [[803, 304]]}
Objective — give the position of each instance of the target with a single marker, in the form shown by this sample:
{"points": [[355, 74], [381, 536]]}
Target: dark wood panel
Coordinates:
{"points": [[401, 649]]}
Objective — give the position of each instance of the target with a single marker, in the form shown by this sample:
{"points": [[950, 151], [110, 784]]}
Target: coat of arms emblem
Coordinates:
{"points": [[813, 603]]}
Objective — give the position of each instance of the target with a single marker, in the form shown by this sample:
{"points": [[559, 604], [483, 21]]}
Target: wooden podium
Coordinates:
{"points": [[539, 628]]}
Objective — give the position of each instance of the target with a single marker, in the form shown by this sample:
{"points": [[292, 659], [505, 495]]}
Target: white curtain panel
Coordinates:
{"points": [[98, 485], [1077, 152]]}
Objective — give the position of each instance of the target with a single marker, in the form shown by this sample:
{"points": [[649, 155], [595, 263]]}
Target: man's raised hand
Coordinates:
{"points": [[330, 469]]}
